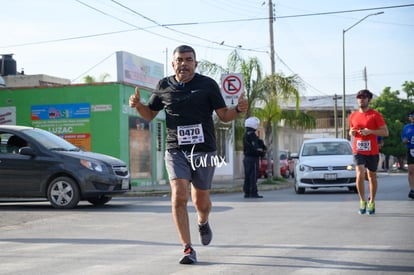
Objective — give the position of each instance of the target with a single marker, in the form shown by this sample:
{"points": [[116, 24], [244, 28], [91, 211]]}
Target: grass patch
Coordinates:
{"points": [[274, 180]]}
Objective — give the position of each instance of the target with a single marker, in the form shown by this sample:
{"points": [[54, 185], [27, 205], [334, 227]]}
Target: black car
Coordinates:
{"points": [[35, 163]]}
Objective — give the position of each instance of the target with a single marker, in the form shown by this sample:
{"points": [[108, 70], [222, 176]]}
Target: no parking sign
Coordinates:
{"points": [[231, 88]]}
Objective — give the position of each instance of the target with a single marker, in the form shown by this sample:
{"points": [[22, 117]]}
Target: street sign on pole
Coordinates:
{"points": [[231, 88]]}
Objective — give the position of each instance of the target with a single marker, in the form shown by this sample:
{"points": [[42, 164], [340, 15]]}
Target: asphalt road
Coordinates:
{"points": [[319, 232]]}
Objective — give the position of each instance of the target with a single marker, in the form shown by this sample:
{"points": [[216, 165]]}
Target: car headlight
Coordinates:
{"points": [[91, 165], [350, 167], [305, 168]]}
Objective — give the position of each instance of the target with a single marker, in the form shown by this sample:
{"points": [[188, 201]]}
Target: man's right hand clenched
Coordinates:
{"points": [[135, 98]]}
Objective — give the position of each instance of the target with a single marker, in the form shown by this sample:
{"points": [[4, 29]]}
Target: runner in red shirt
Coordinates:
{"points": [[365, 125]]}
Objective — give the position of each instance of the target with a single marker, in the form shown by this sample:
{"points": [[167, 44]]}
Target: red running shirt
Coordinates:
{"points": [[371, 119]]}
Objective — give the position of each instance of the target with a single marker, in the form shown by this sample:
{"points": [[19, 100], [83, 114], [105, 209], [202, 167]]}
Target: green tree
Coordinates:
{"points": [[408, 88], [250, 69], [268, 92], [395, 111], [252, 74], [275, 90], [90, 79]]}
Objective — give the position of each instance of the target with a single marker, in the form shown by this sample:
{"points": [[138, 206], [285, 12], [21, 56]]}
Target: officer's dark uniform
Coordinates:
{"points": [[253, 149]]}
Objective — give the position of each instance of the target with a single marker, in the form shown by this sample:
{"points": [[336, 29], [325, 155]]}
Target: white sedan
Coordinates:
{"points": [[325, 162]]}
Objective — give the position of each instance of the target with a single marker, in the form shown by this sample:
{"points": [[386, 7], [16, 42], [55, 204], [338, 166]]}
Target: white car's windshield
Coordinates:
{"points": [[326, 148]]}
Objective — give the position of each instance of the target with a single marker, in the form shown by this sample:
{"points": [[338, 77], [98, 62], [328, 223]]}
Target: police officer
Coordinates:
{"points": [[253, 149]]}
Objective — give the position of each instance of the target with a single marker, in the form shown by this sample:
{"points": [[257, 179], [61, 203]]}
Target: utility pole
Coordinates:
{"points": [[335, 98], [275, 143], [272, 43], [365, 78]]}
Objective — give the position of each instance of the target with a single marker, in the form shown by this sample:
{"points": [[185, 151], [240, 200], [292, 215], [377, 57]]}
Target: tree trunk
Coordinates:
{"points": [[269, 151]]}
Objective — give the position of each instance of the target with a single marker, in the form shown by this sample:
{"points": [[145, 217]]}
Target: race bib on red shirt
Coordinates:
{"points": [[363, 145]]}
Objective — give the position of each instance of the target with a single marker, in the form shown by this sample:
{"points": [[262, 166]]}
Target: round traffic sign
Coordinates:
{"points": [[232, 84]]}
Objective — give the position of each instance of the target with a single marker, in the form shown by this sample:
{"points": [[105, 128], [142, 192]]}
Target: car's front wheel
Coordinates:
{"points": [[298, 190], [101, 200], [63, 193]]}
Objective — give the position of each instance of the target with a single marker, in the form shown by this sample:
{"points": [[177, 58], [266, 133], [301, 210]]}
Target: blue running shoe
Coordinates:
{"points": [[371, 208], [362, 207]]}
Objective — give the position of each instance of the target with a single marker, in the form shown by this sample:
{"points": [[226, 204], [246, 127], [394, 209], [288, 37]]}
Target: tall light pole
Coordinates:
{"points": [[343, 69]]}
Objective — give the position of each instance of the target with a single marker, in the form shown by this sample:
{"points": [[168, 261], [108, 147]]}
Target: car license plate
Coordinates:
{"points": [[125, 184], [330, 176]]}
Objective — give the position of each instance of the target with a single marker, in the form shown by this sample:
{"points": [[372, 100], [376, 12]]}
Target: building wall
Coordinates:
{"points": [[20, 80], [104, 128]]}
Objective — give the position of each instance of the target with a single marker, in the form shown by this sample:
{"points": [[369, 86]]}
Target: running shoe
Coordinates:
{"points": [[205, 233], [371, 208], [411, 194], [362, 207], [189, 256]]}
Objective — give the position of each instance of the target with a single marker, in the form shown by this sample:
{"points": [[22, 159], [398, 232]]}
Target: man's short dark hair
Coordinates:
{"points": [[184, 49], [364, 92]]}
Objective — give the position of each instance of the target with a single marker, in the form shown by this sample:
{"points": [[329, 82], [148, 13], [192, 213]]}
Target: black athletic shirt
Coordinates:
{"points": [[187, 104]]}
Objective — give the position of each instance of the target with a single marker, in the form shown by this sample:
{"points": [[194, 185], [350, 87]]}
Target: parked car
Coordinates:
{"points": [[263, 168], [35, 163], [326, 162], [292, 162], [283, 164]]}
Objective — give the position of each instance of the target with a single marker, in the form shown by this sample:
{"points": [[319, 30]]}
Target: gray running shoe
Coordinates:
{"points": [[205, 233], [189, 256]]}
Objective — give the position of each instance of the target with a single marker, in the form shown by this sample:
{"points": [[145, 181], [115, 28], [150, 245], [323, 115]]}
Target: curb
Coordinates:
{"points": [[217, 190]]}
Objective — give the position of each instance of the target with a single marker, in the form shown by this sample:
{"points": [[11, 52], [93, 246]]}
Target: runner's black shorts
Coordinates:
{"points": [[410, 156], [369, 161]]}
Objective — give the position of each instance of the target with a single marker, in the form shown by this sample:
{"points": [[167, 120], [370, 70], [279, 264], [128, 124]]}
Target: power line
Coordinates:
{"points": [[305, 82], [174, 30], [169, 27], [91, 68], [285, 16], [123, 21], [194, 23], [343, 11], [66, 39]]}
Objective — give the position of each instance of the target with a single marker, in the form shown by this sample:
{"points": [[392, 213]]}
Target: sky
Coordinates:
{"points": [[74, 38]]}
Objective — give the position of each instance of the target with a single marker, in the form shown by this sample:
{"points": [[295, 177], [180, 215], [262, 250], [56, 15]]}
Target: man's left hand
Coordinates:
{"points": [[242, 104]]}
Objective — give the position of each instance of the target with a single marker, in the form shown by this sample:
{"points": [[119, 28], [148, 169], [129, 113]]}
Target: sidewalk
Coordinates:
{"points": [[218, 186]]}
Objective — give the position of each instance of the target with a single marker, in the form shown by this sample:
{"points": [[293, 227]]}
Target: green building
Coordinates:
{"points": [[96, 117]]}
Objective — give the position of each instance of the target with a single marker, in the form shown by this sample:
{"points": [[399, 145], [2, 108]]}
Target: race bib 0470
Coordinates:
{"points": [[190, 134]]}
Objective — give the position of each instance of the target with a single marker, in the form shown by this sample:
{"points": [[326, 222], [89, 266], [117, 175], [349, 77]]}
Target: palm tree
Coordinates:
{"points": [[275, 90], [249, 68], [268, 92], [252, 75]]}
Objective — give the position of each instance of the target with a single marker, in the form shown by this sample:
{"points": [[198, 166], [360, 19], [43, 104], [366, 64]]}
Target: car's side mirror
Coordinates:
{"points": [[294, 156], [28, 151]]}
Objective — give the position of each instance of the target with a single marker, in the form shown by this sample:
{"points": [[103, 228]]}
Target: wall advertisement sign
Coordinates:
{"points": [[70, 121]]}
